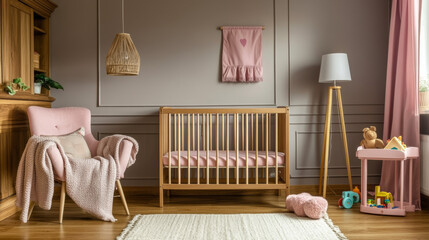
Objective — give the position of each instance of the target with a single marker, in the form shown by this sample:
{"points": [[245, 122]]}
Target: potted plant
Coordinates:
{"points": [[18, 82], [40, 80]]}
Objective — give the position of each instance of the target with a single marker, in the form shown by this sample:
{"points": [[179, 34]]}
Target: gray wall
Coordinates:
{"points": [[180, 46]]}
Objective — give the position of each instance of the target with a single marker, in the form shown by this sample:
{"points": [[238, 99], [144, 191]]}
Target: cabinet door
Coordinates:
{"points": [[17, 42]]}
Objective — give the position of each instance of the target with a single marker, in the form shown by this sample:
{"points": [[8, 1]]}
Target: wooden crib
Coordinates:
{"points": [[222, 136]]}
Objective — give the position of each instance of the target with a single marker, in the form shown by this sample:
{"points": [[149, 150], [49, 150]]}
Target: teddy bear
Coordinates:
{"points": [[370, 139], [304, 204]]}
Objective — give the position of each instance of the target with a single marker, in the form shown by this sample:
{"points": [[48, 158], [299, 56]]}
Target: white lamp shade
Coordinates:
{"points": [[334, 67]]}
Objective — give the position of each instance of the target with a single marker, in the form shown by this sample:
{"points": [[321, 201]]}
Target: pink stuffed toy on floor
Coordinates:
{"points": [[304, 204]]}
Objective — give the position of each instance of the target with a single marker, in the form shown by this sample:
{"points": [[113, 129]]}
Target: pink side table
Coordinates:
{"points": [[390, 155]]}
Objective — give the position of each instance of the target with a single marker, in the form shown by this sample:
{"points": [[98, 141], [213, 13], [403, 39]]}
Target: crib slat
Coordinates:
{"points": [[247, 148], [169, 148], [262, 132], [266, 148], [277, 145], [189, 149], [251, 136], [198, 148], [207, 150], [203, 130], [217, 148], [223, 132], [175, 132], [211, 133], [178, 151], [236, 147], [227, 148], [242, 131], [193, 132], [269, 130], [256, 150], [182, 135]]}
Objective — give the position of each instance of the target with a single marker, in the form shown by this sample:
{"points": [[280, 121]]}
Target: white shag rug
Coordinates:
{"points": [[229, 226]]}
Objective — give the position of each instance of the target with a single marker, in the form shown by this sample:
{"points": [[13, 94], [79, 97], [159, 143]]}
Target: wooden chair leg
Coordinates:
{"points": [[62, 200], [121, 193], [30, 210]]}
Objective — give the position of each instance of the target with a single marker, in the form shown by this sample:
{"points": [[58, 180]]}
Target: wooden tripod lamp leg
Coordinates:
{"points": [[121, 193], [322, 162], [343, 128], [325, 155], [62, 201]]}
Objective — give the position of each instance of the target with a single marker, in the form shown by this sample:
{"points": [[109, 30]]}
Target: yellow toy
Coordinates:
{"points": [[370, 139], [382, 196], [396, 144]]}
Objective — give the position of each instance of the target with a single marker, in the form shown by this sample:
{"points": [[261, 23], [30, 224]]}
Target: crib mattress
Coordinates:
{"points": [[222, 158]]}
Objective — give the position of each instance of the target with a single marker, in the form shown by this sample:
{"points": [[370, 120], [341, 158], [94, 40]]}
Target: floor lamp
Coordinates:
{"points": [[334, 67]]}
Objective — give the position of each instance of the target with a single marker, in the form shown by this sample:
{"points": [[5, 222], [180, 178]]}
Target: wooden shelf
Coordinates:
{"points": [[26, 96], [40, 70], [39, 30]]}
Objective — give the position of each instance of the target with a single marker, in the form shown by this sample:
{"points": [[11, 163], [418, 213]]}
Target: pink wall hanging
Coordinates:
{"points": [[242, 54]]}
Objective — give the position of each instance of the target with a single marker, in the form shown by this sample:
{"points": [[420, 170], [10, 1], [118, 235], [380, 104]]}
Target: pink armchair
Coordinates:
{"points": [[60, 121]]}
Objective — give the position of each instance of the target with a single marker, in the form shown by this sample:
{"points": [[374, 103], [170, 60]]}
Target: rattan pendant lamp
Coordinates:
{"points": [[123, 58]]}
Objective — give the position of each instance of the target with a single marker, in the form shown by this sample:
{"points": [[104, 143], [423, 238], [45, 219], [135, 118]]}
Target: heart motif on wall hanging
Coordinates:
{"points": [[243, 42]]}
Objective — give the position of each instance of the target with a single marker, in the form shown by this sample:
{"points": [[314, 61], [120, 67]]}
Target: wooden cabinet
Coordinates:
{"points": [[17, 42], [24, 30]]}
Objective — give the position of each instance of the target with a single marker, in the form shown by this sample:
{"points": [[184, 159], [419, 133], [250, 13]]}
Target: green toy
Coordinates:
{"points": [[348, 198]]}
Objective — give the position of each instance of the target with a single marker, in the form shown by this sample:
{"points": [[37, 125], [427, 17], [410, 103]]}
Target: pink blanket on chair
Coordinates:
{"points": [[242, 54], [89, 182]]}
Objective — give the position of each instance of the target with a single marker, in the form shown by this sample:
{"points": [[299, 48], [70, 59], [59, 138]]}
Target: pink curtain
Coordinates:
{"points": [[401, 115]]}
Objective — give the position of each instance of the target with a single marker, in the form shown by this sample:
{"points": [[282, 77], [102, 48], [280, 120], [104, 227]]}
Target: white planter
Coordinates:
{"points": [[37, 88]]}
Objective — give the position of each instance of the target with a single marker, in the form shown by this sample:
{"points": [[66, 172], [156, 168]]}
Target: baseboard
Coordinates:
{"points": [[8, 207]]}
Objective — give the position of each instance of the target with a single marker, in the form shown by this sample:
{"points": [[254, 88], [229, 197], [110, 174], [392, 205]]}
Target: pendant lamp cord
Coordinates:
{"points": [[123, 18]]}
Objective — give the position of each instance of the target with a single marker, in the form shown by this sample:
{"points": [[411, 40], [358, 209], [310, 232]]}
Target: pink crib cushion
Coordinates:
{"points": [[222, 158]]}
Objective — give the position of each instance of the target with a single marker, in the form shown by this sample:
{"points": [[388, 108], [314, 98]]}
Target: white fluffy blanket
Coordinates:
{"points": [[89, 182]]}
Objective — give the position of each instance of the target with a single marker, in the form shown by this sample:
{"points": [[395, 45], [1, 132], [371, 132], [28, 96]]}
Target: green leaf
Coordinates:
{"points": [[56, 85], [10, 90], [25, 88], [46, 85], [17, 80], [39, 78]]}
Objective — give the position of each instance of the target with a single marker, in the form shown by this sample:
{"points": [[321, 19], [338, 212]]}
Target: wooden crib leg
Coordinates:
{"points": [[168, 193], [161, 197]]}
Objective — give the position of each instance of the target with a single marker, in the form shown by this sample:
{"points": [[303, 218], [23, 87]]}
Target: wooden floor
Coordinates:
{"points": [[80, 225]]}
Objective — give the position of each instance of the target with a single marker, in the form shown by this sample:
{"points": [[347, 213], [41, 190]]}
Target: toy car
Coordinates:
{"points": [[348, 198]]}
